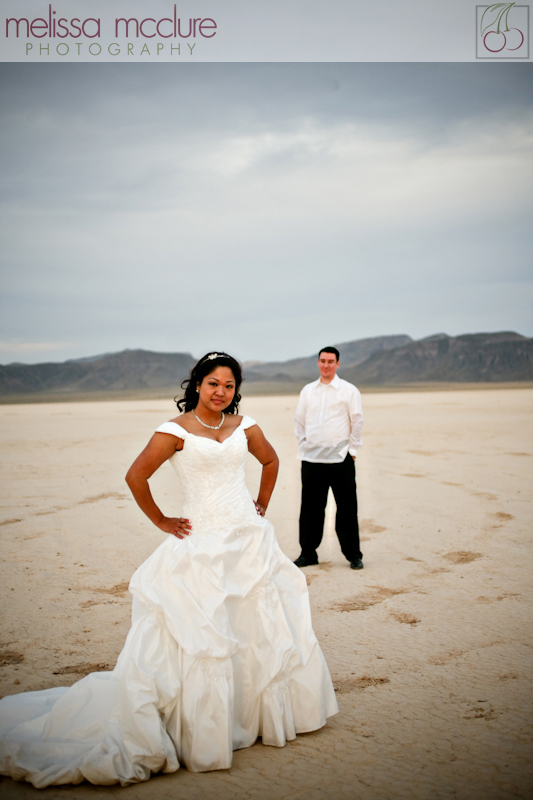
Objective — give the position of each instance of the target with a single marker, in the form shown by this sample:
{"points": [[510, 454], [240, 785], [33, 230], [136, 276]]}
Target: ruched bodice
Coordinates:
{"points": [[220, 651], [212, 478]]}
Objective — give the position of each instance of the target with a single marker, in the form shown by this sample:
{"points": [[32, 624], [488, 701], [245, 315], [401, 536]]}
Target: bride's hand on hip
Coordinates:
{"points": [[177, 526], [260, 508]]}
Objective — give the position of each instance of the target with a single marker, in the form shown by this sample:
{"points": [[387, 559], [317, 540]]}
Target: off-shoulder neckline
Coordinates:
{"points": [[208, 438]]}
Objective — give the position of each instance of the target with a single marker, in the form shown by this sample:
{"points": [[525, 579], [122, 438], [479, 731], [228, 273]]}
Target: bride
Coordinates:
{"points": [[221, 648]]}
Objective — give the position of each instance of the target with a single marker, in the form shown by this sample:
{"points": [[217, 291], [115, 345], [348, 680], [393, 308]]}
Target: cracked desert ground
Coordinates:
{"points": [[429, 646]]}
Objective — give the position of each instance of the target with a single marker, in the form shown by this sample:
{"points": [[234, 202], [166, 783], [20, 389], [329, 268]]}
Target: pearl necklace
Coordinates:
{"points": [[211, 427]]}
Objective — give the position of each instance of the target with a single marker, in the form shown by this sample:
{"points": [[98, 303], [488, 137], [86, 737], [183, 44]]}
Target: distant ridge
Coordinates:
{"points": [[379, 361], [304, 369], [130, 370], [471, 358]]}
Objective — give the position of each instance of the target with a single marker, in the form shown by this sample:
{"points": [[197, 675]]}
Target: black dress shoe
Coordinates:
{"points": [[302, 561], [357, 564]]}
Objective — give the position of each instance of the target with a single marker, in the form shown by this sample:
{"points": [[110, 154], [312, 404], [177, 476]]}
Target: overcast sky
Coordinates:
{"points": [[264, 209]]}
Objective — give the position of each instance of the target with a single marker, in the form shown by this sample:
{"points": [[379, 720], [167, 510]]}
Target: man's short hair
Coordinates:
{"points": [[330, 350]]}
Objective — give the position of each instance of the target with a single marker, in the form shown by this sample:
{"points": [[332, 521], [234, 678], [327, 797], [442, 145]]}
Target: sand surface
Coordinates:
{"points": [[428, 646]]}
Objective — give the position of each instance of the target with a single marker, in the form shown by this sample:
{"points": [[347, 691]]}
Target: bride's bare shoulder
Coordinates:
{"points": [[183, 420]]}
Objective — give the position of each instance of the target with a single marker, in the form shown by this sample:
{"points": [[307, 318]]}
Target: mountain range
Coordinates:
{"points": [[378, 361], [299, 370], [130, 370], [472, 358]]}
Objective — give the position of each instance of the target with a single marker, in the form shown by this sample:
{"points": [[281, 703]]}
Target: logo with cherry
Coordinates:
{"points": [[502, 31]]}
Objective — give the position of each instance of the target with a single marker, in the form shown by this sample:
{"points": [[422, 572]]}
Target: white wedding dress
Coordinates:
{"points": [[220, 651]]}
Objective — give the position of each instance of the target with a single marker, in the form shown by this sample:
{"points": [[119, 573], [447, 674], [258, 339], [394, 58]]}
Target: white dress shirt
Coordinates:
{"points": [[329, 421]]}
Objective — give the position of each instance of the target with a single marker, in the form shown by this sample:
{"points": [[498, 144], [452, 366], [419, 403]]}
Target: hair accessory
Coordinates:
{"points": [[211, 356]]}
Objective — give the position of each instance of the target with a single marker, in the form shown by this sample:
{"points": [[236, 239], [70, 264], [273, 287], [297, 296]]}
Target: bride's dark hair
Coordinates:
{"points": [[205, 367]]}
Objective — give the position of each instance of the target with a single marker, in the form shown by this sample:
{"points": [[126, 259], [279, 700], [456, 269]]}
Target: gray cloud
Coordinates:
{"points": [[262, 207]]}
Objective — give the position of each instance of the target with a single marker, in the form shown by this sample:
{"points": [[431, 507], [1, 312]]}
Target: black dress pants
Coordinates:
{"points": [[316, 480]]}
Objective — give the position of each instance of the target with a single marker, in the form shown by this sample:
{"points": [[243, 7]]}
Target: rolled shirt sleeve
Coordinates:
{"points": [[356, 422], [299, 419]]}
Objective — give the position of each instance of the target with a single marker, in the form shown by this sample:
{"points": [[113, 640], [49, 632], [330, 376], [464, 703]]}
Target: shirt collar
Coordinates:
{"points": [[335, 383]]}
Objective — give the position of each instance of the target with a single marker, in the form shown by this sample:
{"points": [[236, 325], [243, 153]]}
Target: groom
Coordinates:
{"points": [[328, 424]]}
